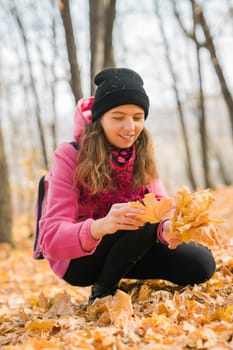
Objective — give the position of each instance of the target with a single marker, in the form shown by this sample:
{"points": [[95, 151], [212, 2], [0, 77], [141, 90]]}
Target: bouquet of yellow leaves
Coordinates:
{"points": [[190, 220]]}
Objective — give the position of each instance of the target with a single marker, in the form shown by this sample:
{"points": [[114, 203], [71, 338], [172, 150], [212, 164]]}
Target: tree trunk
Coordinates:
{"points": [[5, 197], [189, 167], [96, 22], [225, 176], [75, 83], [209, 44], [34, 91], [53, 83], [200, 105], [202, 127], [201, 109], [101, 18], [110, 14]]}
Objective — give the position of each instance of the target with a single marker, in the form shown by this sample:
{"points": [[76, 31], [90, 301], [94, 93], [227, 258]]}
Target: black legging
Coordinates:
{"points": [[137, 255]]}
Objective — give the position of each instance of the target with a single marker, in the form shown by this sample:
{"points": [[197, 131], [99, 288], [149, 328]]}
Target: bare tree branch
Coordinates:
{"points": [[190, 34], [33, 86], [209, 45]]}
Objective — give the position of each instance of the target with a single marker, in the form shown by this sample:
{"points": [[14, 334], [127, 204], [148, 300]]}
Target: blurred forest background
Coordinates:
{"points": [[50, 51]]}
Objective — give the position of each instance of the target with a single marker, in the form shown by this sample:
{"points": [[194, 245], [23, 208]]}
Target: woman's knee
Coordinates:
{"points": [[203, 265], [192, 264], [208, 265]]}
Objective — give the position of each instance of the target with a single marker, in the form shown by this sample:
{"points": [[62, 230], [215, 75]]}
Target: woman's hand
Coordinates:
{"points": [[120, 217], [172, 238]]}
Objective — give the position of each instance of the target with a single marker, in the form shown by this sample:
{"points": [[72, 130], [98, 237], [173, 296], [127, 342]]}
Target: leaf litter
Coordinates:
{"points": [[39, 311]]}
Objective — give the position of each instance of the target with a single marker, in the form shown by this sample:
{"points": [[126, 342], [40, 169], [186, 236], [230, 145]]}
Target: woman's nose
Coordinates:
{"points": [[129, 123]]}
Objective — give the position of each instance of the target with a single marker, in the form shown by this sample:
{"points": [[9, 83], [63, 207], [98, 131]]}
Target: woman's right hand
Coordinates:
{"points": [[173, 238], [120, 217]]}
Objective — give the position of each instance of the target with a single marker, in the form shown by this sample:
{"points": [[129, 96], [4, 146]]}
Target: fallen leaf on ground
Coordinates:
{"points": [[112, 309], [61, 306]]}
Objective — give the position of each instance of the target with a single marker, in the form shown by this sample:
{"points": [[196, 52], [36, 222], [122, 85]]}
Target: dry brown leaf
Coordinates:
{"points": [[144, 293], [43, 301], [112, 309], [62, 306]]}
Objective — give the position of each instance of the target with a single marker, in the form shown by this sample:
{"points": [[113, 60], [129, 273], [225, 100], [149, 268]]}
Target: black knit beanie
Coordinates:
{"points": [[118, 86]]}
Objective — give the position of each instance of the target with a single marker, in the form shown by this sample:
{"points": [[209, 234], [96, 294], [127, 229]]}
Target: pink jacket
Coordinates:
{"points": [[65, 223]]}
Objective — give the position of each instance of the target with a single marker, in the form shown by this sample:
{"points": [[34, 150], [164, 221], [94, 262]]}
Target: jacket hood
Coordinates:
{"points": [[82, 116]]}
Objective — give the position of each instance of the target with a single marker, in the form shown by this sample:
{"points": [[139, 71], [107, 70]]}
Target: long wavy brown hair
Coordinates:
{"points": [[93, 160]]}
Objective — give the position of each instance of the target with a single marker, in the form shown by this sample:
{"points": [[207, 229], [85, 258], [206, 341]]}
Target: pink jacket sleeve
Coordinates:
{"points": [[62, 236], [157, 187]]}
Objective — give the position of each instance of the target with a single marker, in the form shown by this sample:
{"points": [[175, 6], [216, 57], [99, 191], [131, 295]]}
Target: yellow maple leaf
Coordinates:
{"points": [[224, 313], [207, 234], [186, 237], [40, 325], [155, 210]]}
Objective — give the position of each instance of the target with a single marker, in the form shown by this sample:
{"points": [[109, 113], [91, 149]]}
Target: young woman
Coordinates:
{"points": [[89, 232]]}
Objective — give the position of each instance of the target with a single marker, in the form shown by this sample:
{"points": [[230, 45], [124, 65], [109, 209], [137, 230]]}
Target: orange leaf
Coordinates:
{"points": [[223, 314], [155, 210], [40, 325]]}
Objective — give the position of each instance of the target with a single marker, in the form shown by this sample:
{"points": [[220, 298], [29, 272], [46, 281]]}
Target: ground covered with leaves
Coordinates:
{"points": [[39, 311]]}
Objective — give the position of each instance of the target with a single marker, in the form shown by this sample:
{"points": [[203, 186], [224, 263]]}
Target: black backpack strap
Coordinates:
{"points": [[41, 192], [75, 145]]}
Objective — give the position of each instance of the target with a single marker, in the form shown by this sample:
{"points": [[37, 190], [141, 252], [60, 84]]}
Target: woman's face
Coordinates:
{"points": [[123, 124]]}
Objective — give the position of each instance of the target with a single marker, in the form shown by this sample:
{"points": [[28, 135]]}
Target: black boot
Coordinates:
{"points": [[99, 291]]}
